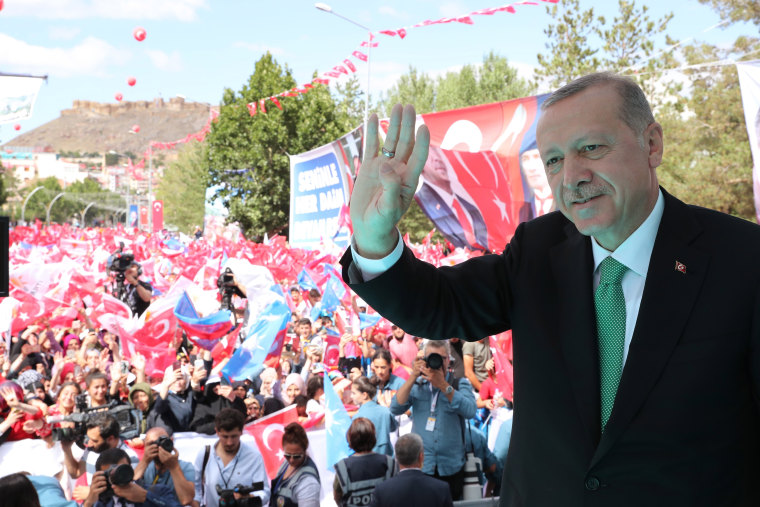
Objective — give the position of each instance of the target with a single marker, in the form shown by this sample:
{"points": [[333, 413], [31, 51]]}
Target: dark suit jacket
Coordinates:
{"points": [[684, 430], [413, 488], [446, 220]]}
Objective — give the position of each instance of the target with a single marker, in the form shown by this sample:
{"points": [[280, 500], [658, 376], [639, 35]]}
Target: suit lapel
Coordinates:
{"points": [[572, 264], [667, 301]]}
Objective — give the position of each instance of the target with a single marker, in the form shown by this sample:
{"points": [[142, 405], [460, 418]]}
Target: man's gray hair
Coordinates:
{"points": [[634, 108], [408, 449], [440, 345]]}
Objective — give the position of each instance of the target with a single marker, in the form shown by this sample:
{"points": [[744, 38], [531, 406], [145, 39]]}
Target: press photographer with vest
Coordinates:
{"points": [[357, 475], [297, 481]]}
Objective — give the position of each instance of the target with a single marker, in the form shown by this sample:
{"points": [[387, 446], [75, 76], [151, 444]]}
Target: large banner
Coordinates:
{"points": [[749, 81], [17, 96], [319, 188], [483, 176]]}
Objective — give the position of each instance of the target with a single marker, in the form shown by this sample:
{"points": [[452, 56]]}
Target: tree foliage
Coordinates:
{"points": [[183, 187], [736, 10], [707, 155], [248, 156]]}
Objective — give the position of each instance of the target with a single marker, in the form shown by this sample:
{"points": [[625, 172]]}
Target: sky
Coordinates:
{"points": [[197, 48]]}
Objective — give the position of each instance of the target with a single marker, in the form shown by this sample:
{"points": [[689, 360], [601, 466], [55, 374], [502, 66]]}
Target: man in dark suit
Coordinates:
{"points": [[635, 317], [411, 486], [455, 216]]}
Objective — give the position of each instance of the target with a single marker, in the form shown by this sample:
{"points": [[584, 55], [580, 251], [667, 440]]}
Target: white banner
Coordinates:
{"points": [[749, 81], [17, 96]]}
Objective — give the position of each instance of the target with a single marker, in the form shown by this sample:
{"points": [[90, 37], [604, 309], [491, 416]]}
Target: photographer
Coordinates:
{"points": [[103, 434], [113, 485], [138, 293], [229, 463], [160, 464], [438, 413]]}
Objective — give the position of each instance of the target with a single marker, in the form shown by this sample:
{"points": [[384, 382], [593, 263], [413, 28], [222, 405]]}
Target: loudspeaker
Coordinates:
{"points": [[4, 268]]}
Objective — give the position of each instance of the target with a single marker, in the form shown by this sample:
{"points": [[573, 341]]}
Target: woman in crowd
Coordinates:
{"points": [[19, 420], [176, 402], [16, 490], [253, 408], [292, 387], [362, 393], [97, 389], [268, 379], [65, 404], [315, 390], [141, 397], [297, 480], [357, 475], [386, 382]]}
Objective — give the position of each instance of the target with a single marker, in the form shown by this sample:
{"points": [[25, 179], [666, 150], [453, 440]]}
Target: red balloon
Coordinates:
{"points": [[135, 128], [118, 96], [1, 5], [139, 34], [131, 81], [17, 126]]}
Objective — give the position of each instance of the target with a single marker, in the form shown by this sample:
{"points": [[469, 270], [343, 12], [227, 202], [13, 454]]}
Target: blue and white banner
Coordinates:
{"points": [[318, 191], [17, 97], [749, 82]]}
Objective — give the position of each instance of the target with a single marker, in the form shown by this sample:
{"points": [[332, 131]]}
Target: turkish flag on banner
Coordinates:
{"points": [[158, 215], [143, 216], [267, 432]]}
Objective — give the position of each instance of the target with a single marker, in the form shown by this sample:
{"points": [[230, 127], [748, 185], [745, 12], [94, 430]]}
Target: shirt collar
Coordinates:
{"points": [[636, 250]]}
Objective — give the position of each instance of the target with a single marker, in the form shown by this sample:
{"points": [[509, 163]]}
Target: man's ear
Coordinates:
{"points": [[654, 144]]}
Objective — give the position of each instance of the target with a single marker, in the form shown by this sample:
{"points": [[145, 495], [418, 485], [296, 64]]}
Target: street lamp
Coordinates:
{"points": [[324, 7]]}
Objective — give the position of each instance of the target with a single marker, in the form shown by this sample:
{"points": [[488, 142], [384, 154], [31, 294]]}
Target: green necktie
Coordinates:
{"points": [[610, 326]]}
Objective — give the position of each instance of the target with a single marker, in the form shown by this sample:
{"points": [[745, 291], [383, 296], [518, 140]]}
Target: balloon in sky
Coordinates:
{"points": [[17, 126], [131, 81], [135, 128], [139, 34], [118, 96], [1, 5]]}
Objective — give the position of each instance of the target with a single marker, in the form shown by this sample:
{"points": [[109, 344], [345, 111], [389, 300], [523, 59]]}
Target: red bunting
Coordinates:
{"points": [[350, 64], [277, 103], [252, 108], [367, 44], [262, 106], [334, 74], [361, 56], [341, 69]]}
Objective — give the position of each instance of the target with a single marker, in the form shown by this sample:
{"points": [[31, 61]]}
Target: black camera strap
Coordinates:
{"points": [[203, 471]]}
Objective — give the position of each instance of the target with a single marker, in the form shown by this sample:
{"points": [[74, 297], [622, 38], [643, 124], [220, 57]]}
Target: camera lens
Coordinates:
{"points": [[434, 361]]}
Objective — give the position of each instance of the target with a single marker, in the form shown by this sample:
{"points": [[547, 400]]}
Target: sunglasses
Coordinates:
{"points": [[292, 456]]}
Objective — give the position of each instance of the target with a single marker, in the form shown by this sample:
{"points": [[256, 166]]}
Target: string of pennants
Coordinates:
{"points": [[347, 66]]}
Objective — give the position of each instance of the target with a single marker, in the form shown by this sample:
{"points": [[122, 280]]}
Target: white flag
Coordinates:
{"points": [[17, 96], [749, 82]]}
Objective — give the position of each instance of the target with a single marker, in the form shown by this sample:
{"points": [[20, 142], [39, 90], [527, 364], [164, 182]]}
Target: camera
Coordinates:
{"points": [[472, 469], [227, 496], [128, 419], [165, 443], [227, 288], [434, 361], [116, 475], [118, 263]]}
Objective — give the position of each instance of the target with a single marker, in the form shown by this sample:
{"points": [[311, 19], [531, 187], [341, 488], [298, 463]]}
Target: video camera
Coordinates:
{"points": [[118, 263], [116, 475], [227, 496], [128, 419]]}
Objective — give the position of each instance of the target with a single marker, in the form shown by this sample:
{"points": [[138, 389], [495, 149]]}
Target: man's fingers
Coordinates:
{"points": [[404, 142], [372, 139], [394, 127], [418, 157]]}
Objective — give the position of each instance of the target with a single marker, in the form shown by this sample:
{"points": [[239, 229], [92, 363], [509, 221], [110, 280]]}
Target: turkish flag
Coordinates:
{"points": [[267, 432], [143, 216], [159, 326], [30, 309], [158, 215], [157, 358], [504, 373]]}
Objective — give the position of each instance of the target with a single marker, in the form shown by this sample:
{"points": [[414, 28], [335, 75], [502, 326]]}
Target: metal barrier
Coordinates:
{"points": [[492, 501]]}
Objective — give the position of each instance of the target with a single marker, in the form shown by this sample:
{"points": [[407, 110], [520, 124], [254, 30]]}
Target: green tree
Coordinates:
{"points": [[350, 101], [183, 187], [248, 156], [736, 10], [708, 160], [412, 88]]}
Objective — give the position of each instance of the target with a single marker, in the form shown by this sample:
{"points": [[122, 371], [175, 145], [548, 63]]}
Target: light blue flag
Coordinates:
{"points": [[337, 422]]}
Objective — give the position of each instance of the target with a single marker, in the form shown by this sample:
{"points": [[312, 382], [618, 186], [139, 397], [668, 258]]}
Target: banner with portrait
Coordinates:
{"points": [[749, 82]]}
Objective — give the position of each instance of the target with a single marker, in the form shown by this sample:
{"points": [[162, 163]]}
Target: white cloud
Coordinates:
{"points": [[390, 11], [452, 9], [91, 57], [63, 32], [182, 10], [169, 62], [259, 48]]}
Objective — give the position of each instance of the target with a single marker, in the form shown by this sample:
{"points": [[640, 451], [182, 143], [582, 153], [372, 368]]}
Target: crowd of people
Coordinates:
{"points": [[51, 376]]}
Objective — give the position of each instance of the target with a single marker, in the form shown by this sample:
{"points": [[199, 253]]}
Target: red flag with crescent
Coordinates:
{"points": [[267, 432]]}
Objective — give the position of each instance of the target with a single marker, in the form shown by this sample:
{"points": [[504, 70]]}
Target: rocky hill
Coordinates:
{"points": [[93, 127]]}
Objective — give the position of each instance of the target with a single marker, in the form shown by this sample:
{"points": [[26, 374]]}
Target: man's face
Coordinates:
{"points": [[96, 442], [229, 440], [296, 296], [398, 333], [131, 270], [304, 329], [602, 179], [533, 170], [435, 171]]}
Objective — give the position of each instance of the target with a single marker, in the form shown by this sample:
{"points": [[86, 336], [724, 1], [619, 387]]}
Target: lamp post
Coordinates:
{"points": [[126, 177], [324, 7]]}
